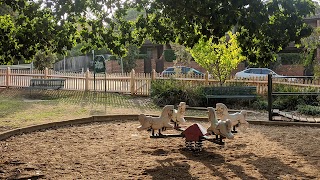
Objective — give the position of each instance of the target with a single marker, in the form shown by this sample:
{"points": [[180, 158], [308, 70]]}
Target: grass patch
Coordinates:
{"points": [[19, 109], [12, 106]]}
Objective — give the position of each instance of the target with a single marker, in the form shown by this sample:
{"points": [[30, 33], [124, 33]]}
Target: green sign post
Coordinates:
{"points": [[99, 66]]}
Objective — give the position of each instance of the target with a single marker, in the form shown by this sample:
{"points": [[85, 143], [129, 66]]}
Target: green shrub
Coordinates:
{"points": [[290, 102], [171, 91], [259, 104], [195, 96], [309, 110]]}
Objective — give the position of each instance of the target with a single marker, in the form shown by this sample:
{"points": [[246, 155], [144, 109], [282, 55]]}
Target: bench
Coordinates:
{"points": [[227, 92], [54, 84]]}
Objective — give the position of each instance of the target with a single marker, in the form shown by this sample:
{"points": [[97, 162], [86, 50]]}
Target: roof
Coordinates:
{"points": [[194, 132]]}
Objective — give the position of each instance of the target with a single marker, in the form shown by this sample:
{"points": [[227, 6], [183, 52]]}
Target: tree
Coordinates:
{"points": [[5, 10], [60, 24], [310, 45], [8, 42], [129, 61], [35, 29], [44, 59], [265, 27], [317, 4], [276, 25], [181, 54], [218, 58]]}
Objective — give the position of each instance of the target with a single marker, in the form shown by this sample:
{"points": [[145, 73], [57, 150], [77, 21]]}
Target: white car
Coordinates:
{"points": [[255, 72]]}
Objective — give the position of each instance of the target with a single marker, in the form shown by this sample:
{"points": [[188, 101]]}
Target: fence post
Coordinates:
{"points": [[153, 74], [46, 73], [132, 82], [207, 78], [8, 73], [86, 82], [270, 96]]}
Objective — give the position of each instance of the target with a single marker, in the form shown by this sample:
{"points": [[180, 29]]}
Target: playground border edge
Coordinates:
{"points": [[14, 132]]}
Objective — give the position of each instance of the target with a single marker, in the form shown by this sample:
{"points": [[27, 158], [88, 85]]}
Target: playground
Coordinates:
{"points": [[117, 150]]}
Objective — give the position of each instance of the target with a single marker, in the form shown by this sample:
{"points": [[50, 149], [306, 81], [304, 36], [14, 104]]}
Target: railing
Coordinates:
{"points": [[303, 91], [129, 83]]}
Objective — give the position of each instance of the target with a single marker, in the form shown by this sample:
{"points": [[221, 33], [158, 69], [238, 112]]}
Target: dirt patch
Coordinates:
{"points": [[116, 150]]}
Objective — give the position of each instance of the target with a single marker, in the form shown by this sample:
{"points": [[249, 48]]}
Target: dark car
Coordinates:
{"points": [[181, 69]]}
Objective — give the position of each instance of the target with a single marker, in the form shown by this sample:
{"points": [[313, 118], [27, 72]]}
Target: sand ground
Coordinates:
{"points": [[116, 150]]}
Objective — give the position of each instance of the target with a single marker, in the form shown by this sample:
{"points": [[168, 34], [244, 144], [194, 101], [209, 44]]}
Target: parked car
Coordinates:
{"points": [[182, 69], [255, 72]]}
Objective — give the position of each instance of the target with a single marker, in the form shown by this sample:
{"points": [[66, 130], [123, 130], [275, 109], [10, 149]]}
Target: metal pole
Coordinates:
{"points": [[64, 63], [94, 72], [105, 76], [121, 65], [270, 96]]}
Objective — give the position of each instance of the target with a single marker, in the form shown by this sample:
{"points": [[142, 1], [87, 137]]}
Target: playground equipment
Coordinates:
{"points": [[238, 118], [178, 115], [222, 128], [157, 123], [195, 134]]}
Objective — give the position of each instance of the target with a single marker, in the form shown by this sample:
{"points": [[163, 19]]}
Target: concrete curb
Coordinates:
{"points": [[7, 134], [29, 129]]}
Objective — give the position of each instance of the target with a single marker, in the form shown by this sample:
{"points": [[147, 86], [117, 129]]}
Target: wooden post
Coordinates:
{"points": [[207, 78], [153, 74], [8, 73], [86, 83], [132, 82], [46, 71]]}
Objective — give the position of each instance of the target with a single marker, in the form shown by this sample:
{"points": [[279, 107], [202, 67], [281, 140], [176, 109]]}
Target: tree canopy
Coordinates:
{"points": [[220, 58], [57, 25], [7, 38], [265, 27], [310, 45]]}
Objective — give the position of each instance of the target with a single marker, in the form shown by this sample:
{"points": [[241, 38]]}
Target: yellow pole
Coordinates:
{"points": [[86, 86]]}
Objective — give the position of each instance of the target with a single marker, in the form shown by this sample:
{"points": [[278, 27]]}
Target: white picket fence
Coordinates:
{"points": [[128, 83]]}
